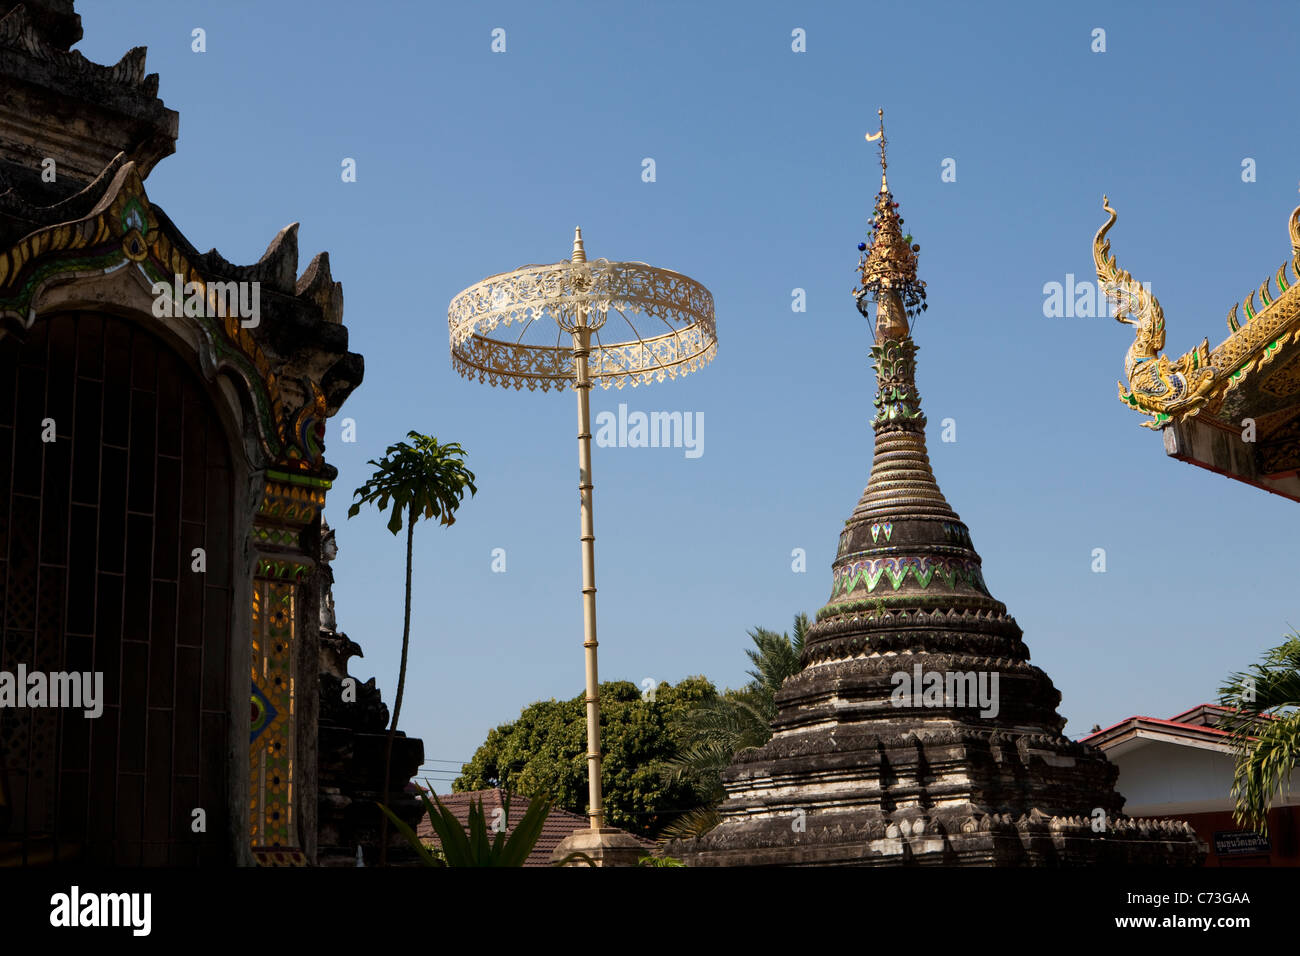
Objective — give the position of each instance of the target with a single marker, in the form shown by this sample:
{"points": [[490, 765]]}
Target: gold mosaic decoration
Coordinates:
{"points": [[274, 716], [290, 502]]}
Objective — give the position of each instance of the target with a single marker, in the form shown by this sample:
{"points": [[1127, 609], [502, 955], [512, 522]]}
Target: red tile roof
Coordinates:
{"points": [[559, 823], [1192, 723]]}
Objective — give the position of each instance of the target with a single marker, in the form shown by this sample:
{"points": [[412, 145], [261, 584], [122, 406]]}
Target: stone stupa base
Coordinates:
{"points": [[992, 840]]}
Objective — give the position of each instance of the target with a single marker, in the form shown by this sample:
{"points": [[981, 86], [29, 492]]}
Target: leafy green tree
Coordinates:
{"points": [[424, 480], [715, 732], [544, 753], [1265, 727]]}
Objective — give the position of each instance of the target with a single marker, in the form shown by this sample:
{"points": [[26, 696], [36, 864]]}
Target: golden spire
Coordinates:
{"points": [[888, 264], [579, 252]]}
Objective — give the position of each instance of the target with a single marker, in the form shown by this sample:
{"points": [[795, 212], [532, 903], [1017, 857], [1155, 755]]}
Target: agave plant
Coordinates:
{"points": [[471, 845]]}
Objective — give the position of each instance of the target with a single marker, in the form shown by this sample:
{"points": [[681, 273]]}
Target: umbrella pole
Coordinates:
{"points": [[582, 385]]}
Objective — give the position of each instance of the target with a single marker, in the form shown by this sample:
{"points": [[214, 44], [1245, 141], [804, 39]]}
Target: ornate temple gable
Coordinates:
{"points": [[293, 364], [90, 251], [99, 111], [1206, 399], [108, 248]]}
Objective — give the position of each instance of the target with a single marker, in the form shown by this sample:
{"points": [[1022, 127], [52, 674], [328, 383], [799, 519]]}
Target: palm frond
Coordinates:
{"points": [[691, 824], [801, 625], [1265, 730], [774, 659], [1265, 769], [699, 759], [740, 720]]}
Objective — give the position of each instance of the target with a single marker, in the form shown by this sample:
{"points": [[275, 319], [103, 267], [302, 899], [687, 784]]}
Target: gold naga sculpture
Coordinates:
{"points": [[1155, 385], [1168, 390]]}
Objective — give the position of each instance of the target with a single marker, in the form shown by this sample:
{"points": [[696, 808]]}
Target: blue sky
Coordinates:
{"points": [[471, 162]]}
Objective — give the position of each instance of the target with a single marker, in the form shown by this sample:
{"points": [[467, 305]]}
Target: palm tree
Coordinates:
{"points": [[732, 722], [777, 656], [1265, 727], [426, 480]]}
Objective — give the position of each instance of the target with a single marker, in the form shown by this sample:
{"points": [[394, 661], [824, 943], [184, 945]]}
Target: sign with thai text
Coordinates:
{"points": [[1238, 842]]}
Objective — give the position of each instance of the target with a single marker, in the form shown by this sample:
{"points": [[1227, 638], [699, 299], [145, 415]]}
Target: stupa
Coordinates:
{"points": [[917, 731]]}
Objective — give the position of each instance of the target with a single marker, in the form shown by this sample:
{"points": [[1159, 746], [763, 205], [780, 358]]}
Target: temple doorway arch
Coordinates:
{"points": [[117, 557]]}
